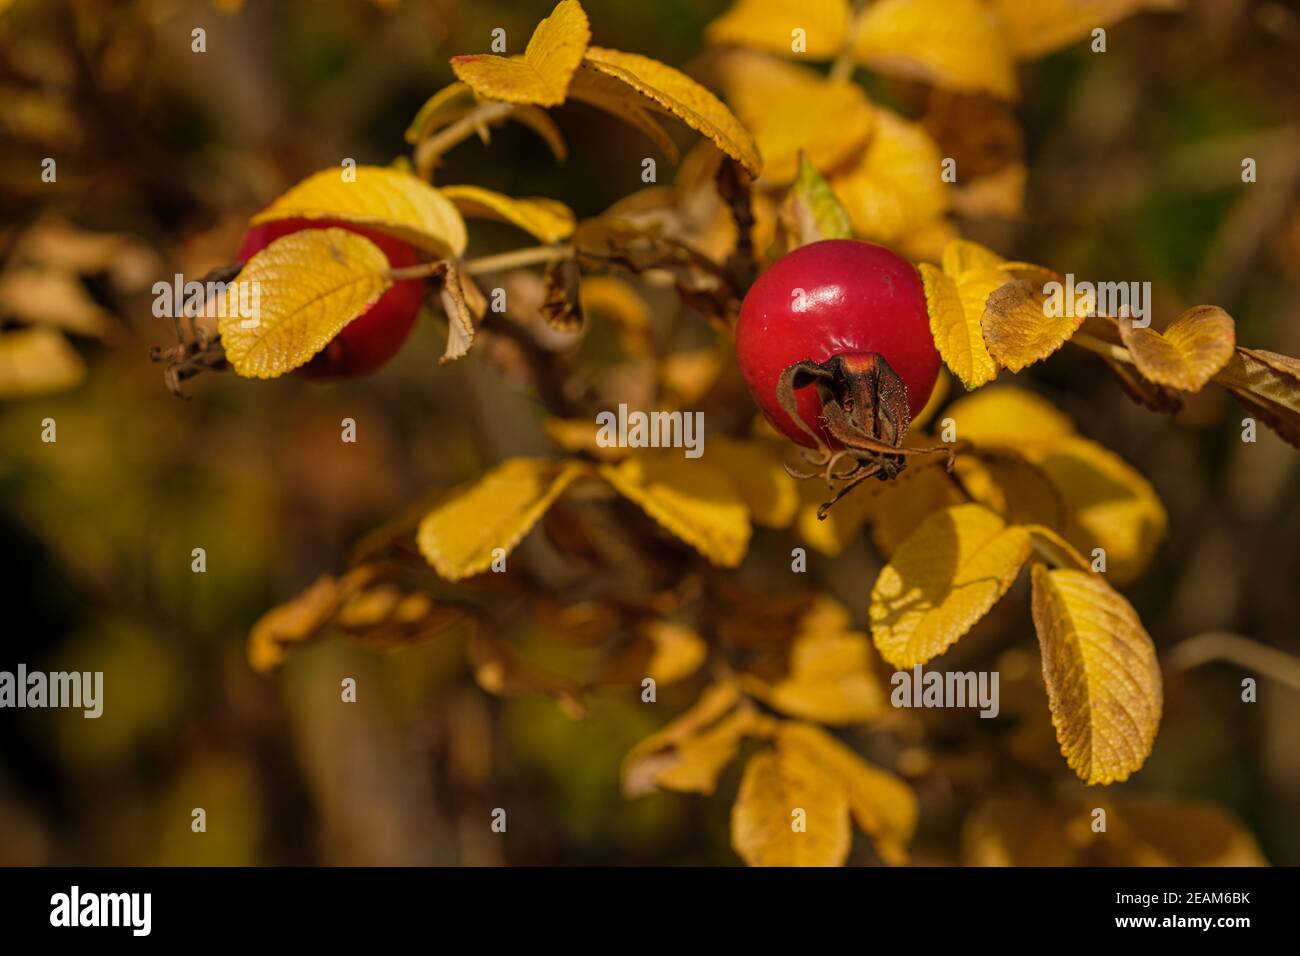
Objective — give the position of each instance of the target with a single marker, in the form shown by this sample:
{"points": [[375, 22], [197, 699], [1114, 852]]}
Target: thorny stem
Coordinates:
{"points": [[477, 119]]}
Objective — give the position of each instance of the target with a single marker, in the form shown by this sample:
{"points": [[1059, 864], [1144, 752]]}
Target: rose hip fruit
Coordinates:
{"points": [[373, 337], [841, 305]]}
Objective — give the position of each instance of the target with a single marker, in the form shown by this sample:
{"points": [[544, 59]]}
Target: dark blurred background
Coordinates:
{"points": [[1134, 170]]}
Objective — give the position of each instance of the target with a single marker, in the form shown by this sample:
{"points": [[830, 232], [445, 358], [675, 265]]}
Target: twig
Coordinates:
{"points": [[1225, 646]]}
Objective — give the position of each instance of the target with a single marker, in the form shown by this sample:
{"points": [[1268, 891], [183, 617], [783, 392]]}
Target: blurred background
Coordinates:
{"points": [[1133, 163]]}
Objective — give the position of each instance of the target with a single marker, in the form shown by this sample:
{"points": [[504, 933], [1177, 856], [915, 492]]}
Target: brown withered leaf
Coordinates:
{"points": [[464, 306], [1268, 384], [1189, 353], [1017, 329], [562, 307]]}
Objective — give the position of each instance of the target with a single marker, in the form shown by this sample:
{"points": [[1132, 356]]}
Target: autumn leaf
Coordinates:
{"points": [[691, 751], [1017, 327], [811, 212], [52, 297], [942, 580], [1103, 681], [955, 313], [463, 534], [37, 360], [759, 478], [301, 618], [1268, 384], [541, 76], [385, 199], [790, 812], [771, 24], [953, 44], [546, 219], [894, 190], [792, 109], [690, 500], [674, 92], [1007, 415], [1189, 353], [1038, 28], [830, 679], [882, 805], [309, 285]]}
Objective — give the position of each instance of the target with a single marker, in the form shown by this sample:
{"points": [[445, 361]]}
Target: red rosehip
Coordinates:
{"points": [[373, 337], [838, 297]]}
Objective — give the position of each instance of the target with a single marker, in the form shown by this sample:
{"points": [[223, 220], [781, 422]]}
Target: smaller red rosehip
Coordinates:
{"points": [[373, 337]]}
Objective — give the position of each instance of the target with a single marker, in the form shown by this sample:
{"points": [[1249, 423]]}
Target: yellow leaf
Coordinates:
{"points": [[1018, 331], [678, 651], [1037, 28], [1268, 384], [842, 524], [301, 618], [1180, 833], [460, 535], [37, 360], [830, 680], [894, 189], [388, 200], [542, 74], [759, 478], [770, 24], [674, 92], [953, 44], [547, 219], [690, 752], [621, 305], [1103, 681], [1007, 415], [1108, 504], [309, 285], [790, 108], [1189, 353], [689, 499], [955, 323], [942, 580], [790, 812], [902, 504], [963, 255], [52, 297], [441, 109], [882, 804]]}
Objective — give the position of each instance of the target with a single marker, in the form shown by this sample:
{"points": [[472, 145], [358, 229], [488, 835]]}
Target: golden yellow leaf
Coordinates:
{"points": [[791, 108], [1178, 833], [690, 752], [1108, 504], [790, 811], [942, 580], [759, 478], [963, 255], [547, 219], [444, 107], [460, 535], [616, 98], [953, 44], [899, 507], [619, 303], [301, 618], [830, 679], [1268, 384], [385, 199], [37, 360], [771, 24], [1103, 680], [842, 524], [579, 434], [955, 323], [1017, 328], [1189, 353], [1039, 27], [689, 499], [894, 190], [309, 285], [542, 74], [1018, 830], [674, 92], [678, 651], [1007, 415], [882, 804]]}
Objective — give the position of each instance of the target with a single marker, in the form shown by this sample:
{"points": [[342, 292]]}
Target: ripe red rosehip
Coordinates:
{"points": [[373, 337], [837, 297]]}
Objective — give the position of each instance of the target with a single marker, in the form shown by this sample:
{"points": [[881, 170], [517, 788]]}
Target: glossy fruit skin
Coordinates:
{"points": [[371, 339], [834, 297]]}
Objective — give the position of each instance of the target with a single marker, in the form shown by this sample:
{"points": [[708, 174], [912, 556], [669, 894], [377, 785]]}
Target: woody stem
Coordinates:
{"points": [[427, 153]]}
